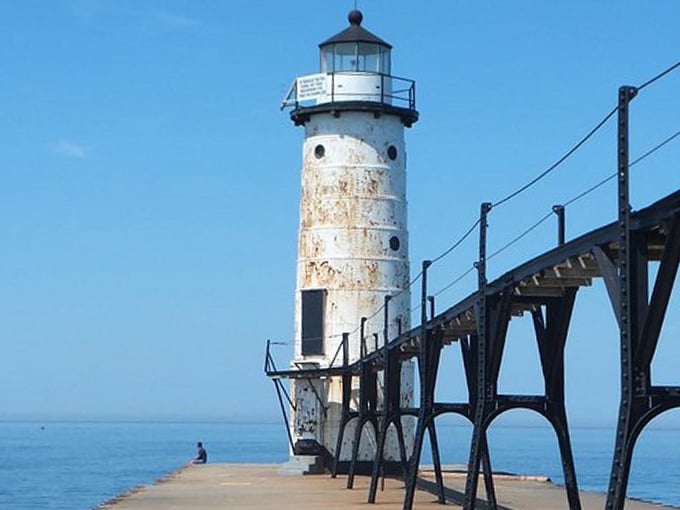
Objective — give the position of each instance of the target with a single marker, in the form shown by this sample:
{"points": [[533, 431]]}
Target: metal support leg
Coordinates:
{"points": [[621, 464], [479, 446], [641, 401], [568, 468], [626, 437], [428, 363], [355, 453], [346, 400], [378, 462], [388, 406], [479, 431], [412, 476], [367, 408], [434, 445], [402, 445], [488, 473], [338, 445], [551, 336]]}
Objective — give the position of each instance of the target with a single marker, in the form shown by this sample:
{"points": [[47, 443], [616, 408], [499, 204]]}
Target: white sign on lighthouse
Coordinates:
{"points": [[310, 87], [353, 238]]}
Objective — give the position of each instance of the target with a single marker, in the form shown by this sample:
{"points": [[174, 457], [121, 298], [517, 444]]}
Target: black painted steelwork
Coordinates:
{"points": [[480, 401], [391, 407], [368, 414], [428, 365], [559, 211], [346, 412], [269, 367], [640, 317], [544, 288]]}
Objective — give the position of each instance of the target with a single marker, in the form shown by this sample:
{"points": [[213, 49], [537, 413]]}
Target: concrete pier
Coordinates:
{"points": [[249, 487]]}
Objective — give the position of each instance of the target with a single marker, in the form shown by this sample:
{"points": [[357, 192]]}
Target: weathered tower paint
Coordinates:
{"points": [[353, 239]]}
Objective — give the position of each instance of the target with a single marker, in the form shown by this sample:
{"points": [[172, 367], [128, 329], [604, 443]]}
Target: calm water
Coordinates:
{"points": [[77, 466]]}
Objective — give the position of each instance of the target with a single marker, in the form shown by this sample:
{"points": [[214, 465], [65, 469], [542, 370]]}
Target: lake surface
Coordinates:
{"points": [[77, 466]]}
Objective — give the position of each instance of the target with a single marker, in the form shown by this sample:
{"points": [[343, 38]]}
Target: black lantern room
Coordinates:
{"points": [[355, 49], [355, 75]]}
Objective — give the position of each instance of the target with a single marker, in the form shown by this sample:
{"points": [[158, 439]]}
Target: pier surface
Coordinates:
{"points": [[250, 486]]}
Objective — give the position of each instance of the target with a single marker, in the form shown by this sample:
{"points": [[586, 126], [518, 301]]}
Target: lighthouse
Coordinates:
{"points": [[353, 238]]}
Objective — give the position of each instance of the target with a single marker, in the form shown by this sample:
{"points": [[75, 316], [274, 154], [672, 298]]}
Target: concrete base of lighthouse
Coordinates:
{"points": [[317, 422], [304, 465], [317, 465]]}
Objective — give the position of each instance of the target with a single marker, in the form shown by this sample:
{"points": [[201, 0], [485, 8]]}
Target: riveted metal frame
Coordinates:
{"points": [[545, 287], [391, 408], [640, 318], [347, 414]]}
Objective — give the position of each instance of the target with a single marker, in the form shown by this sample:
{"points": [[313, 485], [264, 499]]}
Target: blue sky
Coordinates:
{"points": [[149, 184]]}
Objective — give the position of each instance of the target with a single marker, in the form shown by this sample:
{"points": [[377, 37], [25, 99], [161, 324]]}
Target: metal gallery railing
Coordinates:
{"points": [[317, 89]]}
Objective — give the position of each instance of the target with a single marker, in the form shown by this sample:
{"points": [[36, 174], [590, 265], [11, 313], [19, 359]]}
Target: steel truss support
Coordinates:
{"points": [[551, 318], [368, 403], [546, 288], [551, 328], [368, 406], [427, 367], [280, 391], [347, 413], [479, 442], [551, 334], [391, 409], [429, 353], [429, 356], [469, 353], [497, 313], [640, 321]]}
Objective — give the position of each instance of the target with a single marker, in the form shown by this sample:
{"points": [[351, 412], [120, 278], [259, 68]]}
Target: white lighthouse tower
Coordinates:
{"points": [[353, 239]]}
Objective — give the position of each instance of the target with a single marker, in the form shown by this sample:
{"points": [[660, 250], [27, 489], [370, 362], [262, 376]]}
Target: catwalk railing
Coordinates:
{"points": [[544, 288]]}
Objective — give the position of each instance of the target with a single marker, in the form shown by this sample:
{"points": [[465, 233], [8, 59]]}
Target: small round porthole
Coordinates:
{"points": [[394, 243], [319, 151], [392, 152]]}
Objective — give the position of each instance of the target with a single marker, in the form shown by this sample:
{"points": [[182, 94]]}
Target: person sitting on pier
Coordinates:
{"points": [[202, 455]]}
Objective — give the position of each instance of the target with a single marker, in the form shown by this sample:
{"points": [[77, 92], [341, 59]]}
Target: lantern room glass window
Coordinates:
{"points": [[355, 57]]}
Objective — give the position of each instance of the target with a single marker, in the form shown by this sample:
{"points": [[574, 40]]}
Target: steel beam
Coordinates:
{"points": [[658, 305], [391, 414], [428, 365], [624, 439], [478, 444], [347, 414], [368, 402]]}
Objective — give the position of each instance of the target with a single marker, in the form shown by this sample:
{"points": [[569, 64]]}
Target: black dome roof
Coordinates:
{"points": [[355, 33]]}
